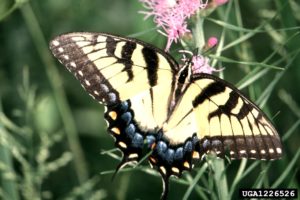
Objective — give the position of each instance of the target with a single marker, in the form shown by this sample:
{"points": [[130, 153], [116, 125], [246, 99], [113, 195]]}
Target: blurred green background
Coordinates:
{"points": [[52, 133]]}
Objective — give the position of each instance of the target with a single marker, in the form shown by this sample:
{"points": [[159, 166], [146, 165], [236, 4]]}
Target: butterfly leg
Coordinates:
{"points": [[127, 136]]}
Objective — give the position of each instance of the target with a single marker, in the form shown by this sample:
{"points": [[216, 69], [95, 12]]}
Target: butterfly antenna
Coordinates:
{"points": [[165, 181]]}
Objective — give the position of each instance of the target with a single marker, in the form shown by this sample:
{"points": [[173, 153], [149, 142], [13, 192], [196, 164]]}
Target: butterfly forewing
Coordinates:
{"points": [[112, 68]]}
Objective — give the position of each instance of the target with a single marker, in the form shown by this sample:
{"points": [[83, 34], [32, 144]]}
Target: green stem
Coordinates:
{"points": [[220, 179], [8, 186], [194, 182], [15, 6], [238, 177], [8, 12], [198, 33], [59, 95]]}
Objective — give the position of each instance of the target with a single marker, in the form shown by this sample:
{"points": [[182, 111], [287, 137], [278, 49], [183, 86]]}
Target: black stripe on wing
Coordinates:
{"points": [[65, 49], [262, 143], [126, 53], [210, 90], [87, 54], [151, 59]]}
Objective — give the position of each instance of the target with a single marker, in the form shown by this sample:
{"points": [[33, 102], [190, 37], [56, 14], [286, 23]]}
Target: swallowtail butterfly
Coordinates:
{"points": [[150, 100]]}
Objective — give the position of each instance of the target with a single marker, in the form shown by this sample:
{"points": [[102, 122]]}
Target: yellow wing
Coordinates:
{"points": [[112, 68], [224, 121]]}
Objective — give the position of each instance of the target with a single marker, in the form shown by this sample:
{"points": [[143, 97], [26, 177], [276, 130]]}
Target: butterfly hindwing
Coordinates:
{"points": [[112, 68], [128, 137]]}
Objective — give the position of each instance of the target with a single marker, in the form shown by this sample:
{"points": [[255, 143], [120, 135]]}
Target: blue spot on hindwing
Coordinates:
{"points": [[188, 147], [126, 117], [206, 144], [137, 141], [178, 154], [150, 139], [161, 147], [169, 156], [130, 131], [124, 106]]}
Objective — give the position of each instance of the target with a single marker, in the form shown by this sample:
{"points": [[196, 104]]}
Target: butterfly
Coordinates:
{"points": [[151, 101]]}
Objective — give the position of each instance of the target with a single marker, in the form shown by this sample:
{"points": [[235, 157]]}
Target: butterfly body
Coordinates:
{"points": [[180, 115]]}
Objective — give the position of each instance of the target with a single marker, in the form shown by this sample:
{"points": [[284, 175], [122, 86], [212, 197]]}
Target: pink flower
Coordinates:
{"points": [[201, 65], [212, 42], [171, 16]]}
